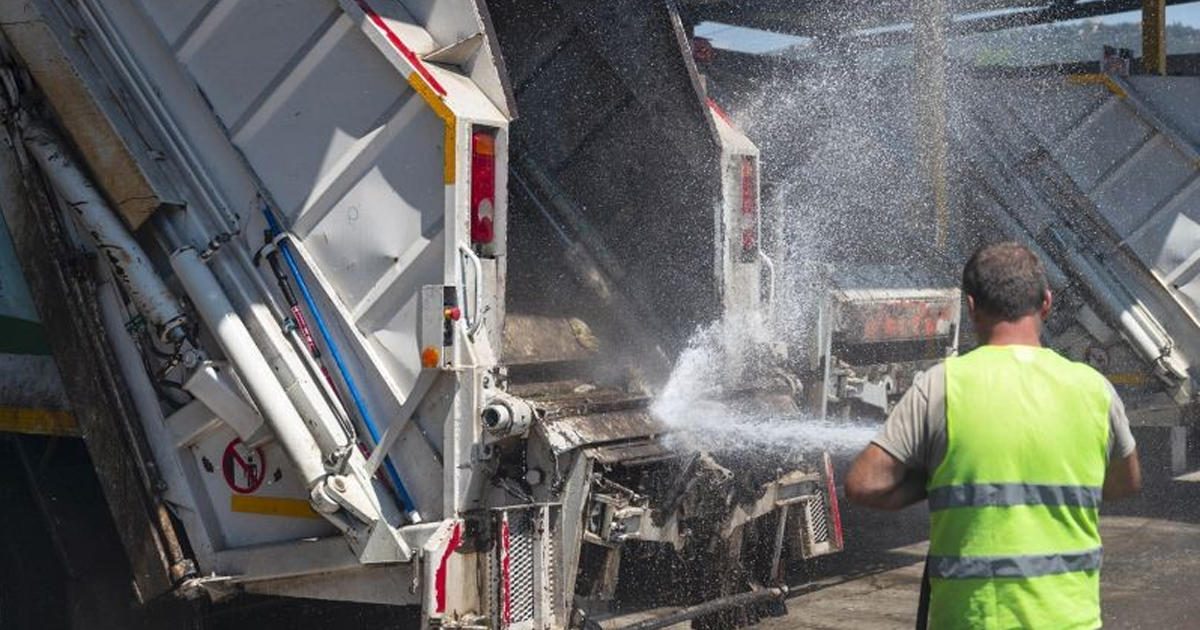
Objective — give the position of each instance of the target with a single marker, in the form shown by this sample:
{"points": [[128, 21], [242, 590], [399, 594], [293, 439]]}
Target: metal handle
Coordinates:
{"points": [[766, 261], [472, 317]]}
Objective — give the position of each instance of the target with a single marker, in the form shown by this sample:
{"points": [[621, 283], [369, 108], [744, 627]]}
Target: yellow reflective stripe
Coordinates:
{"points": [[1127, 378], [271, 506], [38, 422], [439, 107], [1096, 78]]}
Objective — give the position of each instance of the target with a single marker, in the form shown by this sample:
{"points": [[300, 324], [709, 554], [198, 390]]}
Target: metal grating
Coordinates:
{"points": [[494, 595], [521, 565], [816, 519], [550, 556]]}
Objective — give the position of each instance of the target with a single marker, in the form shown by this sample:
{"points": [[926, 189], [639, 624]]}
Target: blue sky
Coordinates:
{"points": [[755, 41], [745, 40], [1187, 13]]}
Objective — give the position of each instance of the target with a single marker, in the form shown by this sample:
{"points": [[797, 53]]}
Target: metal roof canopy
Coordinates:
{"points": [[889, 22]]}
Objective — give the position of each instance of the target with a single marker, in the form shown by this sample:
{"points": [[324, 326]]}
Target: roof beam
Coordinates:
{"points": [[1053, 13], [821, 21]]}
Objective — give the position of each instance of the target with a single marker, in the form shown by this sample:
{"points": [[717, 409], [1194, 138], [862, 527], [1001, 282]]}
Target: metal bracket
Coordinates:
{"points": [[214, 389], [379, 542], [425, 380], [216, 587]]}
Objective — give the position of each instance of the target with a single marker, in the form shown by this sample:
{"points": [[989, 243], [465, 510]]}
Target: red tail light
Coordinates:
{"points": [[749, 218], [836, 535], [483, 186]]}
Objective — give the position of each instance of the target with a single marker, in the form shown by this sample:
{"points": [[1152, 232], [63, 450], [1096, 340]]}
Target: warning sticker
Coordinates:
{"points": [[244, 468]]}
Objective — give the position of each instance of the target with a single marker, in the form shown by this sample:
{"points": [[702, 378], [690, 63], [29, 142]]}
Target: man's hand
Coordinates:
{"points": [[879, 480], [1124, 477]]}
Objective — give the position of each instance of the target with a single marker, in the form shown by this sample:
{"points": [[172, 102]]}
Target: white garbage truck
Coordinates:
{"points": [[365, 300]]}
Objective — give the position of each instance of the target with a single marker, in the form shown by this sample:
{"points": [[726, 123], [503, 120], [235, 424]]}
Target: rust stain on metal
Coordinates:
{"points": [[897, 319], [101, 148]]}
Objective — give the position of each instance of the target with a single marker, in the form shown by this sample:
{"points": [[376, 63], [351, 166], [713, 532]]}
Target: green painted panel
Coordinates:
{"points": [[21, 336]]}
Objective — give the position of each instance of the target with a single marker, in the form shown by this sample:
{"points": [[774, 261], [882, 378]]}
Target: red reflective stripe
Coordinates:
{"points": [[504, 574], [399, 45], [439, 579], [749, 207], [718, 111], [833, 502]]}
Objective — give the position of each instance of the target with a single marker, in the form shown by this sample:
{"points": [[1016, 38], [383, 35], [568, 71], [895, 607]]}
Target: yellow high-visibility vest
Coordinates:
{"points": [[1014, 538]]}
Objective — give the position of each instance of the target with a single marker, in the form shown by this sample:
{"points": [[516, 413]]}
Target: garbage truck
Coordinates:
{"points": [[1103, 185], [366, 300]]}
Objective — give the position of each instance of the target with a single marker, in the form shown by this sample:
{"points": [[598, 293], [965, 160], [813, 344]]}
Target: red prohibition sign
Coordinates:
{"points": [[244, 468]]}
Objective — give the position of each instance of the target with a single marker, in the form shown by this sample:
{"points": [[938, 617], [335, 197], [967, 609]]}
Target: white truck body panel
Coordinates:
{"points": [[360, 127], [1108, 191], [375, 199]]}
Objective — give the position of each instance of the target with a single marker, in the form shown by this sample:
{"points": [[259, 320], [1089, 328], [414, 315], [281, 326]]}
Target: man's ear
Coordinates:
{"points": [[1047, 304], [970, 307]]}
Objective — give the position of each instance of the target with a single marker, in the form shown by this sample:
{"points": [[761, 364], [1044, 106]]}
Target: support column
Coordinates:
{"points": [[1154, 37], [929, 97]]}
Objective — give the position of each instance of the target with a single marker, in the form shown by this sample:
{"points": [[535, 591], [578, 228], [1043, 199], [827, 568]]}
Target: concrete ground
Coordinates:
{"points": [[1151, 563], [1150, 571]]}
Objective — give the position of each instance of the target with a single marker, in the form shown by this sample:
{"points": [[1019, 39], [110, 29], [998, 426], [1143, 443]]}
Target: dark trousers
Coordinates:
{"points": [[923, 600]]}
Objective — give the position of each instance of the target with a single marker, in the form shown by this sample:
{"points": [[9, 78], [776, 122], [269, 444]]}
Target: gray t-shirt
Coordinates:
{"points": [[915, 431]]}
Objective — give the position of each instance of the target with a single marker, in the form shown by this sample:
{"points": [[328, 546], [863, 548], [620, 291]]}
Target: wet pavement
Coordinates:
{"points": [[1151, 569]]}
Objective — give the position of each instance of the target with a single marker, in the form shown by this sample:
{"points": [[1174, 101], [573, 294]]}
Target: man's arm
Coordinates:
{"points": [[890, 472], [1123, 478], [879, 480]]}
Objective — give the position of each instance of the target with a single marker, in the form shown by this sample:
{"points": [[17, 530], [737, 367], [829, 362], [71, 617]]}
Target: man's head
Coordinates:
{"points": [[1006, 286]]}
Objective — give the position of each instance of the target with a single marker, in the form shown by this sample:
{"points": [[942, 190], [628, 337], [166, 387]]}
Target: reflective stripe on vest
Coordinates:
{"points": [[1014, 538], [960, 568], [1008, 494]]}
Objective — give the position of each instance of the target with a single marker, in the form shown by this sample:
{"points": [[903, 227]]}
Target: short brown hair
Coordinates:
{"points": [[1005, 280]]}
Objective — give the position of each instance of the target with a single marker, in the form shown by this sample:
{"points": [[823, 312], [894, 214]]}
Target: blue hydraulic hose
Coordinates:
{"points": [[394, 476]]}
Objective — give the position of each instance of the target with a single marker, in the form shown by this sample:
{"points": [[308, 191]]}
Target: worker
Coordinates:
{"points": [[1013, 446]]}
